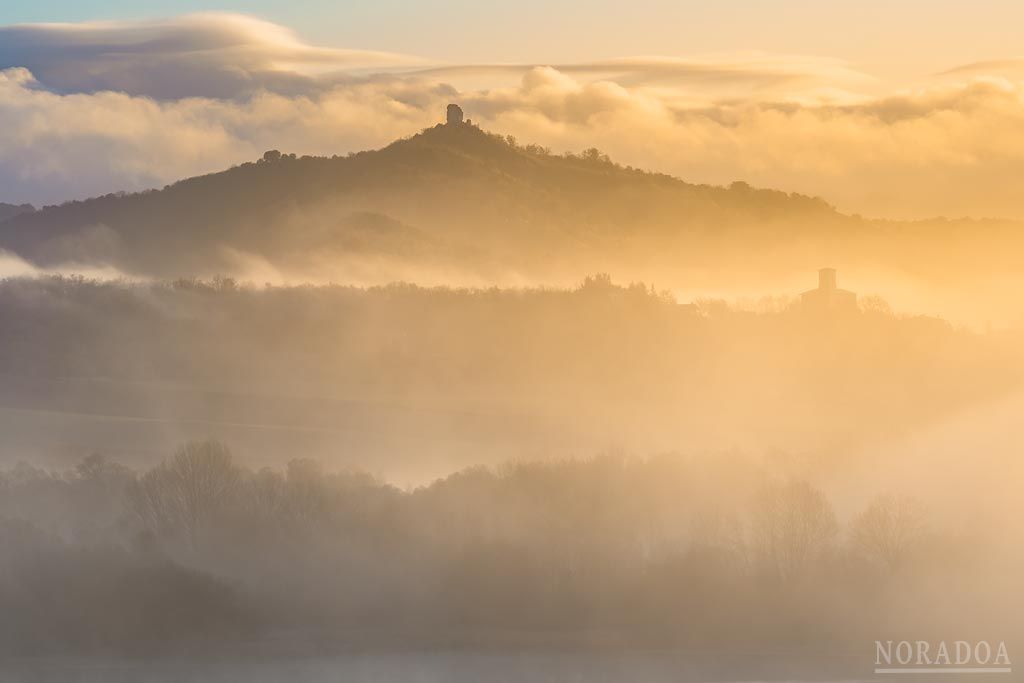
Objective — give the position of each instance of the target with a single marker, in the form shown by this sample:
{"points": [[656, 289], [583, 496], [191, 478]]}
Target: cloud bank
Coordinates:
{"points": [[99, 107], [202, 55]]}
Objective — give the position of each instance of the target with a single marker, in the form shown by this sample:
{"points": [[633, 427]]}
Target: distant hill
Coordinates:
{"points": [[453, 195], [11, 210], [427, 380], [458, 205]]}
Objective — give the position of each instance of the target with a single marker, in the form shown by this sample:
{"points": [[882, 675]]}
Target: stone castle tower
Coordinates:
{"points": [[455, 115], [828, 297]]}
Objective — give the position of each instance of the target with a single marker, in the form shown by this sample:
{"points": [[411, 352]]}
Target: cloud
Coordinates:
{"points": [[1013, 67], [724, 76], [95, 108], [946, 150], [57, 146], [228, 56], [201, 55]]}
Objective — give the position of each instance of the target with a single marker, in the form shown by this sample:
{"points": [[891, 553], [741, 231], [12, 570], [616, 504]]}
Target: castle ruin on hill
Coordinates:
{"points": [[455, 115], [828, 297]]}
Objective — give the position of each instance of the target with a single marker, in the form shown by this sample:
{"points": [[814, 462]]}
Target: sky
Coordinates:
{"points": [[903, 109], [902, 36]]}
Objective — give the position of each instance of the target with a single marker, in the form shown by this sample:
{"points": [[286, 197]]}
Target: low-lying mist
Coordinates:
{"points": [[412, 383], [201, 554], [201, 468]]}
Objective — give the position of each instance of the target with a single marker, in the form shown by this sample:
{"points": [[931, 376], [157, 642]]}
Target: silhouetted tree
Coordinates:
{"points": [[792, 524], [888, 530], [185, 493]]}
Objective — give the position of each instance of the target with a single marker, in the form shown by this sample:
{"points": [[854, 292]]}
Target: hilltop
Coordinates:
{"points": [[11, 210], [452, 196]]}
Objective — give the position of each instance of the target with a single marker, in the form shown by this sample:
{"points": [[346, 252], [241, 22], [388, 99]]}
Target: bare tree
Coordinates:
{"points": [[266, 495], [307, 493], [793, 523], [184, 494], [888, 530]]}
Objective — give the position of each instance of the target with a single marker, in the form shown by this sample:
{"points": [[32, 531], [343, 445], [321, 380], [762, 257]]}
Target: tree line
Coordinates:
{"points": [[668, 549]]}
